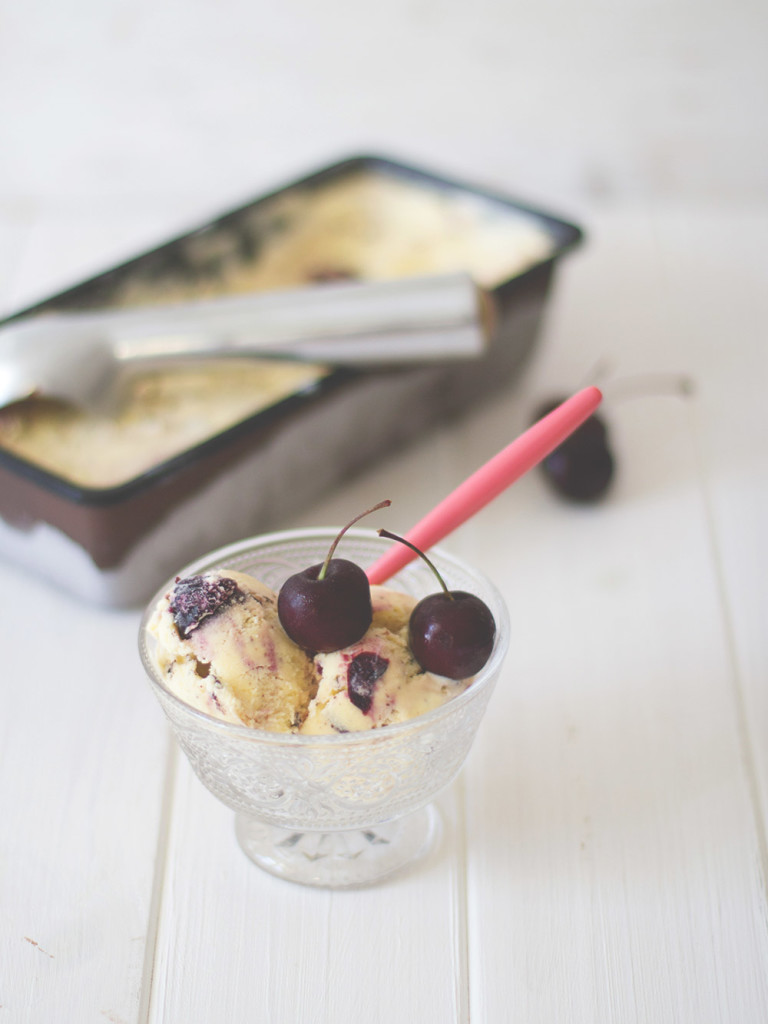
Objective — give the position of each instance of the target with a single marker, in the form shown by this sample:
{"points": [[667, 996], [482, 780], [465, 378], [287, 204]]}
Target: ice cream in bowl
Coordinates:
{"points": [[330, 760], [326, 708]]}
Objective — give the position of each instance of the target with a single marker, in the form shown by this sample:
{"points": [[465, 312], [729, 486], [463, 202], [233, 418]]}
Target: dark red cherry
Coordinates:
{"points": [[452, 634], [364, 672], [327, 606], [195, 598], [582, 468], [326, 613]]}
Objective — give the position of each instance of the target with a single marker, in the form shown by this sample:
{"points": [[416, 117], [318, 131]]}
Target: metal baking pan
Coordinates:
{"points": [[114, 544]]}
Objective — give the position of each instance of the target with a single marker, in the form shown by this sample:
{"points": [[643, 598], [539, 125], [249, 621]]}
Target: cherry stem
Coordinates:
{"points": [[382, 504], [420, 553], [641, 385]]}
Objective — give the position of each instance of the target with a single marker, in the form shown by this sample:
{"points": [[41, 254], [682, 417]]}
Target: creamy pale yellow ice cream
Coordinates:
{"points": [[376, 681], [221, 648], [163, 413], [367, 225]]}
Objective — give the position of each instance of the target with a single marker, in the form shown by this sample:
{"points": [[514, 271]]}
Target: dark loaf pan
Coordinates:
{"points": [[115, 545]]}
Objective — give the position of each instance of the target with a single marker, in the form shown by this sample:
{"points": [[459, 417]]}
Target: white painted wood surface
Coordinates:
{"points": [[604, 852]]}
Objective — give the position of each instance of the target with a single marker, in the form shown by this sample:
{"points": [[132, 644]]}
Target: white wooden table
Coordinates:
{"points": [[604, 852], [604, 855]]}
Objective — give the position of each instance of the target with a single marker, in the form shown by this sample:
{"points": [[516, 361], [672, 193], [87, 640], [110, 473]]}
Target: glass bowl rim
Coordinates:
{"points": [[487, 674]]}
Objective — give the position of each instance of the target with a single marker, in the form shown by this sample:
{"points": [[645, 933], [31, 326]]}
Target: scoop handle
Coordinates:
{"points": [[490, 480]]}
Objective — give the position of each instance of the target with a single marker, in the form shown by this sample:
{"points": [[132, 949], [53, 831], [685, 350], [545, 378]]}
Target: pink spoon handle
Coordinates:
{"points": [[489, 481]]}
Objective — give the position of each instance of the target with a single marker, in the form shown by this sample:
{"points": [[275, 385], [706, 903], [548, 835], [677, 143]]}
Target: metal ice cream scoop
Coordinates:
{"points": [[80, 356]]}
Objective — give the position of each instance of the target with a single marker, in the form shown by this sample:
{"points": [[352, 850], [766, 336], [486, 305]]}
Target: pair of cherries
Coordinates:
{"points": [[328, 606]]}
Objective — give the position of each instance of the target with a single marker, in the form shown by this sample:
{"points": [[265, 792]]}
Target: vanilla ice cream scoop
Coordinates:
{"points": [[376, 681], [222, 649]]}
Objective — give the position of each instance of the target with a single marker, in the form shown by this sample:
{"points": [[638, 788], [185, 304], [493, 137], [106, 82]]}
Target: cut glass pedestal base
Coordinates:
{"points": [[339, 860]]}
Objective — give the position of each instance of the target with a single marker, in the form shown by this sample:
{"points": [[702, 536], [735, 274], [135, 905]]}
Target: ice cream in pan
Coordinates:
{"points": [[335, 651], [364, 233]]}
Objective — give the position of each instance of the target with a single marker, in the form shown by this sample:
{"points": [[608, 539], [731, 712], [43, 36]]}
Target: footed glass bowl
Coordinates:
{"points": [[347, 809]]}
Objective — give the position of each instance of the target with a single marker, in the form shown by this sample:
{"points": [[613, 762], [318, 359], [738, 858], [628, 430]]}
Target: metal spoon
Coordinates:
{"points": [[80, 357]]}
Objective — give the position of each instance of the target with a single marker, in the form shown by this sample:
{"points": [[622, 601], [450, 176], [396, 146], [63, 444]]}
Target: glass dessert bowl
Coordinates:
{"points": [[336, 810]]}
